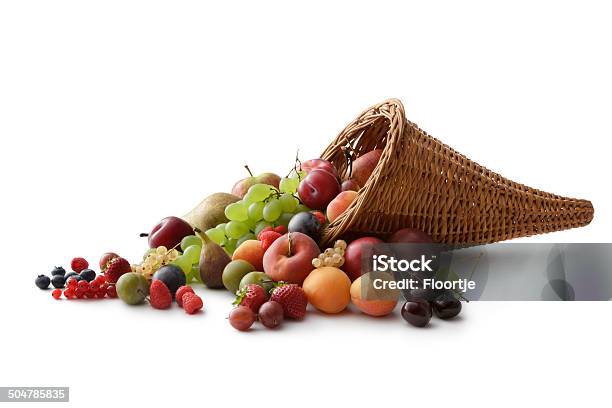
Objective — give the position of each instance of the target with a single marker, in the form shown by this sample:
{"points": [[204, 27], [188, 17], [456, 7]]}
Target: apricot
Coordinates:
{"points": [[328, 289], [370, 298], [252, 252], [339, 204]]}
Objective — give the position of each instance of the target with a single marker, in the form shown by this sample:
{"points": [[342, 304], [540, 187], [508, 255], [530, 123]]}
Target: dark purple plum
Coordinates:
{"points": [[306, 223], [172, 276]]}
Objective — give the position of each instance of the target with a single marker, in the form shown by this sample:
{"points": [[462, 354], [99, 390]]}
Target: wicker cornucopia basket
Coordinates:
{"points": [[421, 183]]}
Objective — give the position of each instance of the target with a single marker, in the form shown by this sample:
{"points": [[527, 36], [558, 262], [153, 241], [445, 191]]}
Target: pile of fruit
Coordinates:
{"points": [[261, 244]]}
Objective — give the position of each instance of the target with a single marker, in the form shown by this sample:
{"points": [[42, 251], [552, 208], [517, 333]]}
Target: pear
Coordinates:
{"points": [[211, 211], [213, 260]]}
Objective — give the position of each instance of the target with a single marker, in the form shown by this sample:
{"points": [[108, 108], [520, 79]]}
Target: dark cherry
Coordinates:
{"points": [[446, 307], [417, 312]]}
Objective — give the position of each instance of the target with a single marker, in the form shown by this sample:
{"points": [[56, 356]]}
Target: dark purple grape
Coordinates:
{"points": [[271, 314], [417, 312], [446, 307]]}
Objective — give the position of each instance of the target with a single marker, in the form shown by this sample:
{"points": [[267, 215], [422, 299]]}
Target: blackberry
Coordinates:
{"points": [[43, 281], [88, 275], [58, 270], [58, 281]]}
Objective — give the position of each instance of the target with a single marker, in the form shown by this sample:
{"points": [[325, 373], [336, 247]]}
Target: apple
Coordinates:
{"points": [[169, 232], [306, 223], [364, 165], [352, 256], [409, 236], [318, 188], [349, 185], [320, 164], [242, 186], [339, 204], [289, 258]]}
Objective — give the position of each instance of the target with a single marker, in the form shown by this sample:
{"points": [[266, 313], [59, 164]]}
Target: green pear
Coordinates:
{"points": [[242, 186]]}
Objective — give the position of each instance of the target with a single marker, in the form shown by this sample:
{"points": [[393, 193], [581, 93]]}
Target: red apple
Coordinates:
{"points": [[352, 256], [242, 186], [318, 188], [365, 165], [320, 164], [290, 261], [169, 232], [350, 185], [409, 236]]}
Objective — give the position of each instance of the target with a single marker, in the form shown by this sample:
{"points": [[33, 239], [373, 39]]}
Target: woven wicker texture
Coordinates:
{"points": [[421, 183]]}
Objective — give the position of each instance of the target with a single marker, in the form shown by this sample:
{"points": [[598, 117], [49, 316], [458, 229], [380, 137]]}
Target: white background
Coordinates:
{"points": [[114, 114]]}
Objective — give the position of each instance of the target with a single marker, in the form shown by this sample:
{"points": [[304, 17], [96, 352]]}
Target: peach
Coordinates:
{"points": [[369, 299], [328, 289], [339, 204], [365, 165], [252, 252], [289, 258]]}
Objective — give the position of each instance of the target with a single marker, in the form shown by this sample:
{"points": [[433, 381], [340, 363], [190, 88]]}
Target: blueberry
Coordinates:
{"points": [[58, 270], [70, 275], [75, 277], [88, 275], [58, 281], [43, 281]]}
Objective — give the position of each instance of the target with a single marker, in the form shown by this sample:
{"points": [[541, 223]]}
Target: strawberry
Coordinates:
{"points": [[192, 303], [265, 230], [267, 238], [159, 295], [292, 298], [252, 296], [115, 268], [281, 229], [183, 290]]}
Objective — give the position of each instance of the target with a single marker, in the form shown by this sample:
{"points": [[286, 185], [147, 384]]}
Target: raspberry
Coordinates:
{"points": [[159, 295], [192, 303], [183, 290], [78, 264], [115, 268], [111, 291], [281, 229], [267, 238], [265, 230], [57, 293], [252, 296], [292, 298]]}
